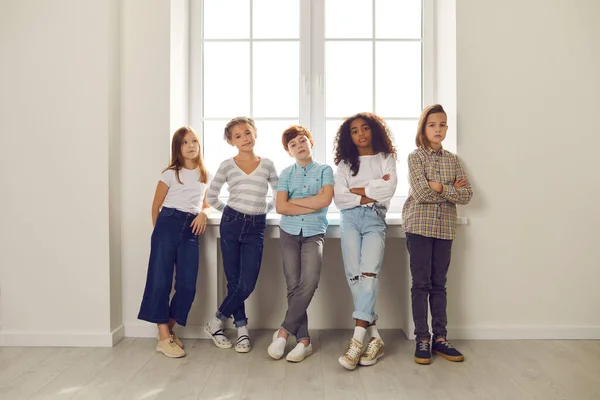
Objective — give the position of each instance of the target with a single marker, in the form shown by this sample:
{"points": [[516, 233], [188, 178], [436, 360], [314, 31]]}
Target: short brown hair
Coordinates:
{"points": [[421, 139], [292, 132]]}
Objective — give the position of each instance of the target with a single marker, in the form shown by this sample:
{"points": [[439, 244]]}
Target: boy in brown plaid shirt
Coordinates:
{"points": [[437, 184]]}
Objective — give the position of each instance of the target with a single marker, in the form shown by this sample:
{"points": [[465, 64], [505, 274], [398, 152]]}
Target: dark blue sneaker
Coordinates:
{"points": [[423, 353], [445, 349]]}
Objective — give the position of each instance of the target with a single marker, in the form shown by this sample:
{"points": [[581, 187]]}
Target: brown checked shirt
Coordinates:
{"points": [[426, 212]]}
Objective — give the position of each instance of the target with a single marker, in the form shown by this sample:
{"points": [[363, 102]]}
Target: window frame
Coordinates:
{"points": [[311, 79]]}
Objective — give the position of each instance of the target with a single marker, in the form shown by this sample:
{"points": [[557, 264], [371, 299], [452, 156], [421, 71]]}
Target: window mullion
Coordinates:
{"points": [[305, 64], [317, 81]]}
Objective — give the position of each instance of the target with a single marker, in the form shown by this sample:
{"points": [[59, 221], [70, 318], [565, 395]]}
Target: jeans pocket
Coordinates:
{"points": [[226, 218], [166, 212]]}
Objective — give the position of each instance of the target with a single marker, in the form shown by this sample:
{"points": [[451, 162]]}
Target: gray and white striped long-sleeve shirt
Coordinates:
{"points": [[247, 192]]}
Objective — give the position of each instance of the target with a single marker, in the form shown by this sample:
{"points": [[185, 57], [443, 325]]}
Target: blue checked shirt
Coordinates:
{"points": [[300, 182]]}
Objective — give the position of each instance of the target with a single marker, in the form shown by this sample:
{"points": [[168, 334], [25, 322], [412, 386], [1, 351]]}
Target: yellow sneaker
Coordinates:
{"points": [[373, 352], [169, 348]]}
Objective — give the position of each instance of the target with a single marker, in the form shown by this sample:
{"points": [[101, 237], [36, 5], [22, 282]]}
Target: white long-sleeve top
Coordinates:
{"points": [[370, 176]]}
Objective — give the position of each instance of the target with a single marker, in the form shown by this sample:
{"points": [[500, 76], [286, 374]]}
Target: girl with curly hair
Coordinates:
{"points": [[365, 182]]}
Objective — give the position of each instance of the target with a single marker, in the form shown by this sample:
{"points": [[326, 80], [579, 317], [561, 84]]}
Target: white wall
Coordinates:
{"points": [[145, 128], [528, 89], [528, 100], [54, 135]]}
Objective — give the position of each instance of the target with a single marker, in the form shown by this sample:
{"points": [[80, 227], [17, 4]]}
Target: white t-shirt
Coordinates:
{"points": [[186, 196]]}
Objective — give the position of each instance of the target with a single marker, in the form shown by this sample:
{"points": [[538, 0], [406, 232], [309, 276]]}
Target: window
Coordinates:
{"points": [[312, 62]]}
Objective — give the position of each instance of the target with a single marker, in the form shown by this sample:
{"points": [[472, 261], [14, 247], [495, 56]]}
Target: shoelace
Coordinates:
{"points": [[423, 346], [447, 344], [371, 347], [353, 351]]}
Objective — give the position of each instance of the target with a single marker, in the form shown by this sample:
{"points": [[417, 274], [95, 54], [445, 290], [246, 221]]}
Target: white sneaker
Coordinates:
{"points": [[277, 346], [299, 353]]}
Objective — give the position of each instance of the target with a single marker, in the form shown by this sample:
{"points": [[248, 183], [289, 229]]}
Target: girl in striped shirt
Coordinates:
{"points": [[242, 228]]}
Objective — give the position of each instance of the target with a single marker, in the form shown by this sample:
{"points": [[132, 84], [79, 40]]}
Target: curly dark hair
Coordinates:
{"points": [[346, 150]]}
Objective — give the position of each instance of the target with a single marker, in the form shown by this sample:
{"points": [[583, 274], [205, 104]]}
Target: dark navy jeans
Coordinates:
{"points": [[173, 246], [242, 237]]}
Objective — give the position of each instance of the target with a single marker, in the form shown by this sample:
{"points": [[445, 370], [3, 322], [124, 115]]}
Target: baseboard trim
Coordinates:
{"points": [[87, 339], [61, 339], [118, 334], [525, 332], [149, 331]]}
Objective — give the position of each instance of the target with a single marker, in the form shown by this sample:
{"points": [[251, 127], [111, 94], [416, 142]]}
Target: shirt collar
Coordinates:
{"points": [[309, 166], [430, 151]]}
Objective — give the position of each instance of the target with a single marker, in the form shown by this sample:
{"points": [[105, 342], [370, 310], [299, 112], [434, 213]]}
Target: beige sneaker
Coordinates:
{"points": [[350, 359], [373, 352], [177, 341], [169, 348]]}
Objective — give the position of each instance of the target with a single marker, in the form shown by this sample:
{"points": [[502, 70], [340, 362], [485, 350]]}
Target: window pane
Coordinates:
{"points": [[349, 19], [276, 19], [226, 79], [404, 132], [398, 79], [215, 148], [226, 19], [276, 73], [268, 143], [398, 19], [349, 78]]}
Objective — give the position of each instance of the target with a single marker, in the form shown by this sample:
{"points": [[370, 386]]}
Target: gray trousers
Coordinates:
{"points": [[302, 260]]}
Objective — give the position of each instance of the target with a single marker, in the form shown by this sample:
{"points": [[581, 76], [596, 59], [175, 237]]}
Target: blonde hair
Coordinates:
{"points": [[421, 139], [177, 160]]}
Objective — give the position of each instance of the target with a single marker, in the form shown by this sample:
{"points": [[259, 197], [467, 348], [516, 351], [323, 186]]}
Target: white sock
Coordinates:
{"points": [[372, 332], [243, 330], [215, 324], [359, 333]]}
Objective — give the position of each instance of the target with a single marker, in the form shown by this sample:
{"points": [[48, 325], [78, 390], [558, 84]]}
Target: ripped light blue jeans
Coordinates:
{"points": [[363, 242]]}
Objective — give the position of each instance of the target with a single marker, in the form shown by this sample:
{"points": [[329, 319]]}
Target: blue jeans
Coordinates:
{"points": [[242, 238], [363, 242], [173, 246]]}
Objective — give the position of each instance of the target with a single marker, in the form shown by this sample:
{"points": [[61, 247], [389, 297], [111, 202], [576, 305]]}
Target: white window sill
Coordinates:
{"points": [[392, 219]]}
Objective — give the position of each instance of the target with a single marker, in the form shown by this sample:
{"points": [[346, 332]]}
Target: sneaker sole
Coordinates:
{"points": [[158, 349], [450, 358], [297, 360], [423, 361], [368, 363], [344, 364], [221, 346], [243, 349]]}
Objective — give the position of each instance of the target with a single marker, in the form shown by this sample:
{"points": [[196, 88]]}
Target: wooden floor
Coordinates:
{"points": [[132, 370]]}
